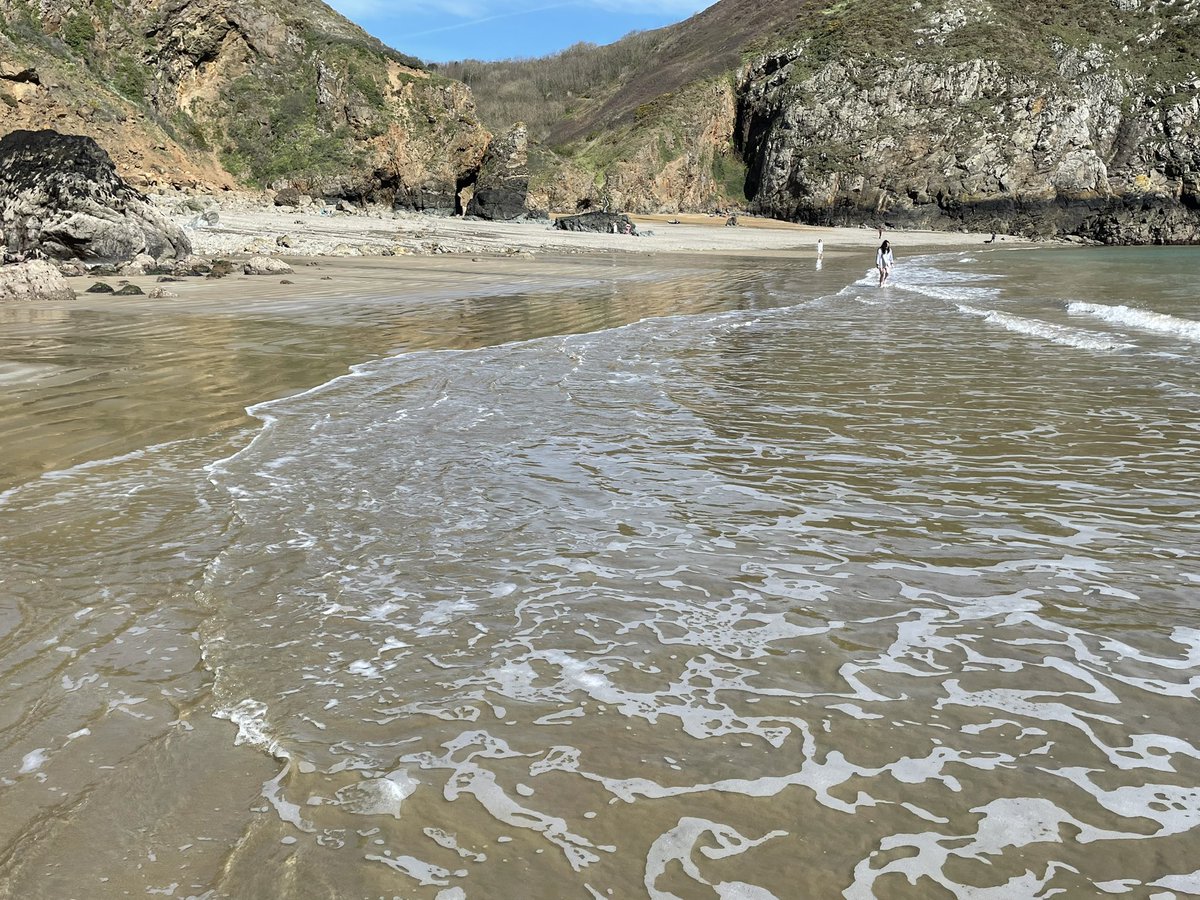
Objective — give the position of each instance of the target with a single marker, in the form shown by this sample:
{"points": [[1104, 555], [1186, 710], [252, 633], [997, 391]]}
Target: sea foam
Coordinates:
{"points": [[1068, 337], [1139, 318]]}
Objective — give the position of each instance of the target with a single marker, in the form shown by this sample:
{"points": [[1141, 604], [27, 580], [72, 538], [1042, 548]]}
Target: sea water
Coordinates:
{"points": [[789, 589]]}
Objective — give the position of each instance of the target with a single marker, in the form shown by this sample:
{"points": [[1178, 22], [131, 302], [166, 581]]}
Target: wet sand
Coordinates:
{"points": [[102, 375]]}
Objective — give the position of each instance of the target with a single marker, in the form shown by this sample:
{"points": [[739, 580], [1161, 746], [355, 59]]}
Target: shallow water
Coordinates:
{"points": [[715, 581]]}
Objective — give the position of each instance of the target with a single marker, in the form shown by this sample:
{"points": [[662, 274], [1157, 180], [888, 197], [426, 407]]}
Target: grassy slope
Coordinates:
{"points": [[264, 121]]}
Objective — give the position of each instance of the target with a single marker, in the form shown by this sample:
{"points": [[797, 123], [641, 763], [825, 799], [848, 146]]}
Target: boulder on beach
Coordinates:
{"points": [[264, 265], [601, 222], [61, 197], [289, 196], [34, 280]]}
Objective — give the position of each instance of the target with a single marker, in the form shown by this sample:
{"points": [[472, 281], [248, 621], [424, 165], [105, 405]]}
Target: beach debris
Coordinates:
{"points": [[61, 196], [33, 280], [265, 265]]}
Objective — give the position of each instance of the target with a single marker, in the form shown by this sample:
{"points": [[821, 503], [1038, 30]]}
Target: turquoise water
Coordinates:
{"points": [[793, 589]]}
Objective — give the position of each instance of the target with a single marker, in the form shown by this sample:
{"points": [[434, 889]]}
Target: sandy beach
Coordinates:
{"points": [[250, 225]]}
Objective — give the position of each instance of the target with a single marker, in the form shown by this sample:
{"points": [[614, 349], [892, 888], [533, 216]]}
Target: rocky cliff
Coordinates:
{"points": [[985, 120], [215, 93], [1077, 117]]}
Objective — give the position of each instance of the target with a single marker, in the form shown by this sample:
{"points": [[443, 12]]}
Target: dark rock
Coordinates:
{"points": [[16, 72], [129, 290], [600, 222], [61, 195], [289, 196], [731, 222], [100, 288], [165, 279], [502, 188]]}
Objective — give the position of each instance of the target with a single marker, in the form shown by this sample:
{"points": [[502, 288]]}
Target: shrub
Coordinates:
{"points": [[78, 33]]}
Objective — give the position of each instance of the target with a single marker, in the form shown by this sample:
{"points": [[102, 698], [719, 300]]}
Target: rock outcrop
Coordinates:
{"points": [[61, 197], [502, 188], [33, 280], [1089, 150], [597, 222]]}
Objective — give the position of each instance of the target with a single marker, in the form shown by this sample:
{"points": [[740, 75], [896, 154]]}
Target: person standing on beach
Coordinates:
{"points": [[820, 249], [884, 261]]}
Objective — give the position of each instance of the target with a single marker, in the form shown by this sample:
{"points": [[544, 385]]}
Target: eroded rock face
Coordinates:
{"points": [[502, 190], [60, 196], [34, 280], [1091, 151]]}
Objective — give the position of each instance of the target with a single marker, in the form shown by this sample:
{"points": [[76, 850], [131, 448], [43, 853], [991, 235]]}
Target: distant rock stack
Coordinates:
{"points": [[502, 189], [61, 197]]}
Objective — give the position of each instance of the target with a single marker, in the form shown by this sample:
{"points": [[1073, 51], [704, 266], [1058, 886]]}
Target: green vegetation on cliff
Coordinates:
{"points": [[271, 90]]}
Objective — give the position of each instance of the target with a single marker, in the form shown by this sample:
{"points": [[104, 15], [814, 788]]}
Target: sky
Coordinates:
{"points": [[447, 30]]}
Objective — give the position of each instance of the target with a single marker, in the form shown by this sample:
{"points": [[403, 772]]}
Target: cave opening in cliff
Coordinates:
{"points": [[463, 190]]}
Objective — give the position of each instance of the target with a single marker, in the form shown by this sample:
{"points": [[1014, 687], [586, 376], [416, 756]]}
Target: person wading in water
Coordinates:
{"points": [[884, 261]]}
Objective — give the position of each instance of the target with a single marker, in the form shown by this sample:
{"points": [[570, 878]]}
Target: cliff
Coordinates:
{"points": [[1078, 117], [1048, 121], [212, 93]]}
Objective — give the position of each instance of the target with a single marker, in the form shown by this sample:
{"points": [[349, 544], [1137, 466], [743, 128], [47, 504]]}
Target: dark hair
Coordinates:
{"points": [[885, 246]]}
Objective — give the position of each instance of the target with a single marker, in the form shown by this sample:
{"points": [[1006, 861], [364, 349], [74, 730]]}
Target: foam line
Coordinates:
{"points": [[1138, 318]]}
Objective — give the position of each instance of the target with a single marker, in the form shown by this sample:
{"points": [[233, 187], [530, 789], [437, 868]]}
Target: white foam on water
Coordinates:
{"points": [[1143, 319], [250, 718], [424, 873], [33, 760], [378, 796], [1058, 334], [679, 845]]}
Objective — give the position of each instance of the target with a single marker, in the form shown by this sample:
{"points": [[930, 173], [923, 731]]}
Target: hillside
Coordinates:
{"points": [[1078, 117], [215, 93]]}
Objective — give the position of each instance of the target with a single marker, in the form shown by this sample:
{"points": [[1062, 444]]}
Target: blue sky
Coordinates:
{"points": [[445, 30]]}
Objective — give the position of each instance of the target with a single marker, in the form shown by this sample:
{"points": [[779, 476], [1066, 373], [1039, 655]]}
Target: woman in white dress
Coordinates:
{"points": [[884, 261]]}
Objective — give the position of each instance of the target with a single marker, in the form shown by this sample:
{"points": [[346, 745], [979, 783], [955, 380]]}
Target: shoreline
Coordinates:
{"points": [[249, 226], [328, 297]]}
